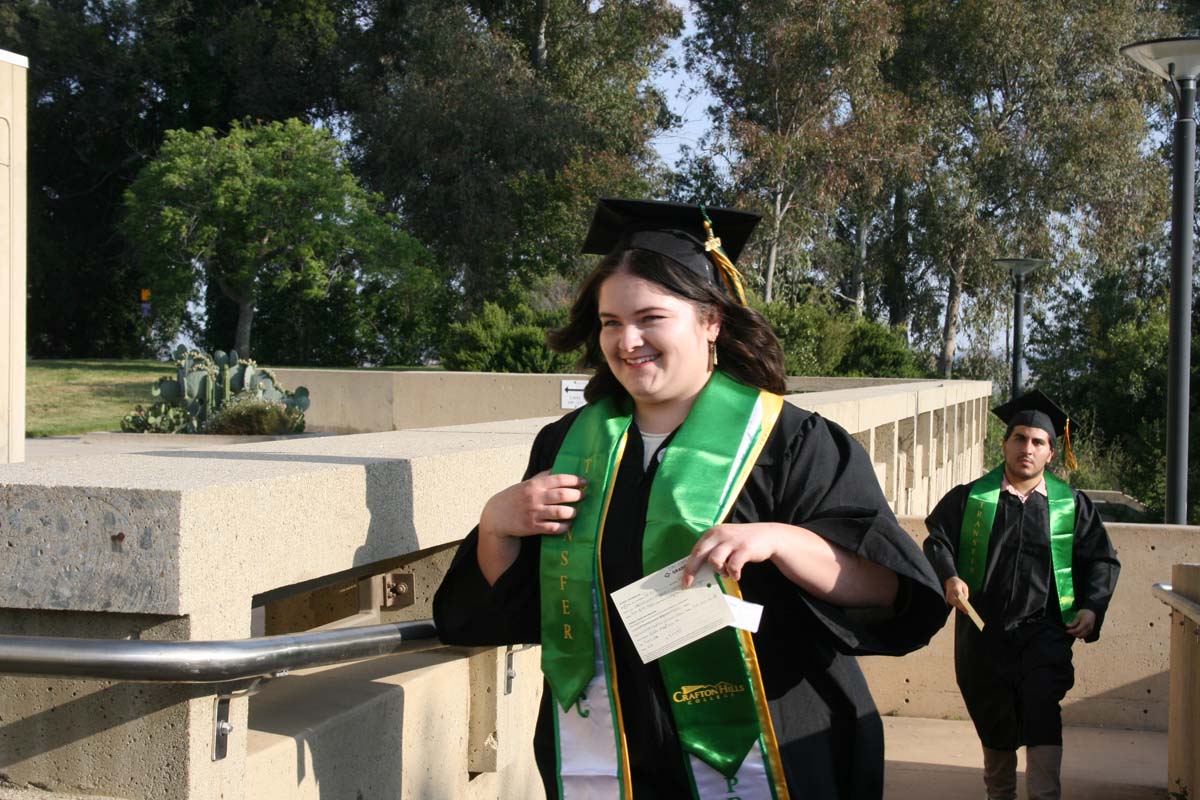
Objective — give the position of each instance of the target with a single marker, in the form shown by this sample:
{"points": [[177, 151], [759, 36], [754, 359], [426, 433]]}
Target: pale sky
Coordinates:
{"points": [[677, 87]]}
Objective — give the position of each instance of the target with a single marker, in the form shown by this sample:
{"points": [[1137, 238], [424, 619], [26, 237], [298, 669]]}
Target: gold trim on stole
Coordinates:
{"points": [[611, 666], [772, 407]]}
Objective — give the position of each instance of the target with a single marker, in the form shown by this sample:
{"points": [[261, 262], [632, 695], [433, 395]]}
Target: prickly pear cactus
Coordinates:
{"points": [[203, 385]]}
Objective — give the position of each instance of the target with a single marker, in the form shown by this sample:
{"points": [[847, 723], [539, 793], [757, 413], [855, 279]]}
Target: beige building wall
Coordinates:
{"points": [[13, 164]]}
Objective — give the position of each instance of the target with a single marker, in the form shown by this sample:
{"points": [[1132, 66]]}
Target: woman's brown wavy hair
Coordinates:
{"points": [[746, 346]]}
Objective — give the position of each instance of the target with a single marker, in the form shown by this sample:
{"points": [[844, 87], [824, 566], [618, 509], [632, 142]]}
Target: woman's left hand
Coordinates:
{"points": [[819, 567], [731, 546]]}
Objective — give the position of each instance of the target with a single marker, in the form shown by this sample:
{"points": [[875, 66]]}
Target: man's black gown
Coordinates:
{"points": [[1014, 673], [810, 473]]}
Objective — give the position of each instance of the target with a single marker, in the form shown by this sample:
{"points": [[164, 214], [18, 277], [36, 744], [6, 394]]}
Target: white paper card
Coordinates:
{"points": [[661, 616], [746, 615]]}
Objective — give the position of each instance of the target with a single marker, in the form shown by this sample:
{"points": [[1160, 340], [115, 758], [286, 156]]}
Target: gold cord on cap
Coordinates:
{"points": [[1068, 454], [728, 272]]}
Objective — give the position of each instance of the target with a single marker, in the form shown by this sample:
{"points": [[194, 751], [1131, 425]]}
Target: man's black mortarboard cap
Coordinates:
{"points": [[1036, 410], [677, 231]]}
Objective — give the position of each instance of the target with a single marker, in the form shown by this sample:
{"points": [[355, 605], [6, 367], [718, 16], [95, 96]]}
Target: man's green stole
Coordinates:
{"points": [[979, 516], [719, 704]]}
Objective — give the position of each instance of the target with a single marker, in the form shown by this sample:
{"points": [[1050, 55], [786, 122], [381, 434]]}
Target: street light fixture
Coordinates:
{"points": [[1019, 267], [1177, 62]]}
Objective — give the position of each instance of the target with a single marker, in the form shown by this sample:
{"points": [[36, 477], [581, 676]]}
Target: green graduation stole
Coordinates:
{"points": [[718, 700], [976, 532]]}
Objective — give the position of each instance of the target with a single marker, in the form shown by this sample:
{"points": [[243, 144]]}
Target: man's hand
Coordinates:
{"points": [[956, 592], [1085, 621]]}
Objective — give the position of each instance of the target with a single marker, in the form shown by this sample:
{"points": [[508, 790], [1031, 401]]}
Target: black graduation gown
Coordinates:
{"points": [[810, 473], [1014, 674]]}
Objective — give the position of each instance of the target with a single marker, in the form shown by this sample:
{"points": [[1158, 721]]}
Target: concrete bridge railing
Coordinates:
{"points": [[278, 537]]}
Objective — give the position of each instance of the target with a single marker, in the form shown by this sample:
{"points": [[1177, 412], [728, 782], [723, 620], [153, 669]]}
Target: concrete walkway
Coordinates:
{"points": [[930, 759]]}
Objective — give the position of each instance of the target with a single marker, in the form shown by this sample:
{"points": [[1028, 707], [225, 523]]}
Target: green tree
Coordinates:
{"points": [[493, 126], [269, 205], [106, 80], [812, 333], [1038, 133], [808, 124], [496, 340], [877, 351], [1102, 354]]}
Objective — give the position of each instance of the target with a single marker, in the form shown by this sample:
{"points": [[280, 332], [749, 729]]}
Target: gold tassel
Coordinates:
{"points": [[712, 356], [725, 267], [1068, 454]]}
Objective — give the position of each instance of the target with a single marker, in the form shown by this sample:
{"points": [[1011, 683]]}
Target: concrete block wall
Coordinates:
{"points": [[189, 539], [178, 544], [924, 437], [13, 169]]}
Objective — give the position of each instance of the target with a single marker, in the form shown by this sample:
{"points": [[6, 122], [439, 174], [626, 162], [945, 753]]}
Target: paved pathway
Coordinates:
{"points": [[932, 759]]}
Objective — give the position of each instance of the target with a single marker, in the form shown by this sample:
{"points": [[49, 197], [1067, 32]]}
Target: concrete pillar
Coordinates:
{"points": [[907, 464], [885, 455], [1183, 746], [13, 165]]}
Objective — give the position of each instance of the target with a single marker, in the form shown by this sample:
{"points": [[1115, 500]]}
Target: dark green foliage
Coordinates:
{"points": [[395, 313], [983, 365], [877, 351], [106, 80], [500, 341], [495, 125], [1103, 357], [250, 416], [813, 335]]}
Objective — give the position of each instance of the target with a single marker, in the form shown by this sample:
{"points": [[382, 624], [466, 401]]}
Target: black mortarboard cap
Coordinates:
{"points": [[1036, 410], [675, 230]]}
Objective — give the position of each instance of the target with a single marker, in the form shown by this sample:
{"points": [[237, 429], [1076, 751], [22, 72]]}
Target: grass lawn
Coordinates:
{"points": [[67, 398]]}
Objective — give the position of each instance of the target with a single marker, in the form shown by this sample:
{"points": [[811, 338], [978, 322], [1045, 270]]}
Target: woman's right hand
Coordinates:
{"points": [[535, 507]]}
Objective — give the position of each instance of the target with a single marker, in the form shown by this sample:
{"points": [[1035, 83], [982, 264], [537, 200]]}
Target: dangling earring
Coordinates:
{"points": [[712, 356]]}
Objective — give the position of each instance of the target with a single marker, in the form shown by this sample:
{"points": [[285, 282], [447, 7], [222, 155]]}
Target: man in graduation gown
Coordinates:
{"points": [[1034, 560]]}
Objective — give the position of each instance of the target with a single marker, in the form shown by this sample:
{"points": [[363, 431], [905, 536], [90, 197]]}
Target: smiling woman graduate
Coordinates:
{"points": [[687, 449]]}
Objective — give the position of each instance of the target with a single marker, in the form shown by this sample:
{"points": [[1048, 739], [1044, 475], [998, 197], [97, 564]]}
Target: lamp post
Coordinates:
{"points": [[1019, 267], [1177, 62]]}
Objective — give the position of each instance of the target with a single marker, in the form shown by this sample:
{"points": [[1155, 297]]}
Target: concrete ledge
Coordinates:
{"points": [[365, 401], [194, 536], [394, 727], [200, 532]]}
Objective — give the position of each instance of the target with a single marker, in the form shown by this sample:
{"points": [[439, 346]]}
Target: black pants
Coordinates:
{"points": [[1013, 682]]}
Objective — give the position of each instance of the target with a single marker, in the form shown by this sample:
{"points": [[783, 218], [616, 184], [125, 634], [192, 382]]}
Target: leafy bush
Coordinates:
{"points": [[813, 335], [506, 341], [877, 351], [246, 415]]}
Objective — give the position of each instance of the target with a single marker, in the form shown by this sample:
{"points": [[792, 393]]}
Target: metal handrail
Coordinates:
{"points": [[211, 661], [1184, 605]]}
